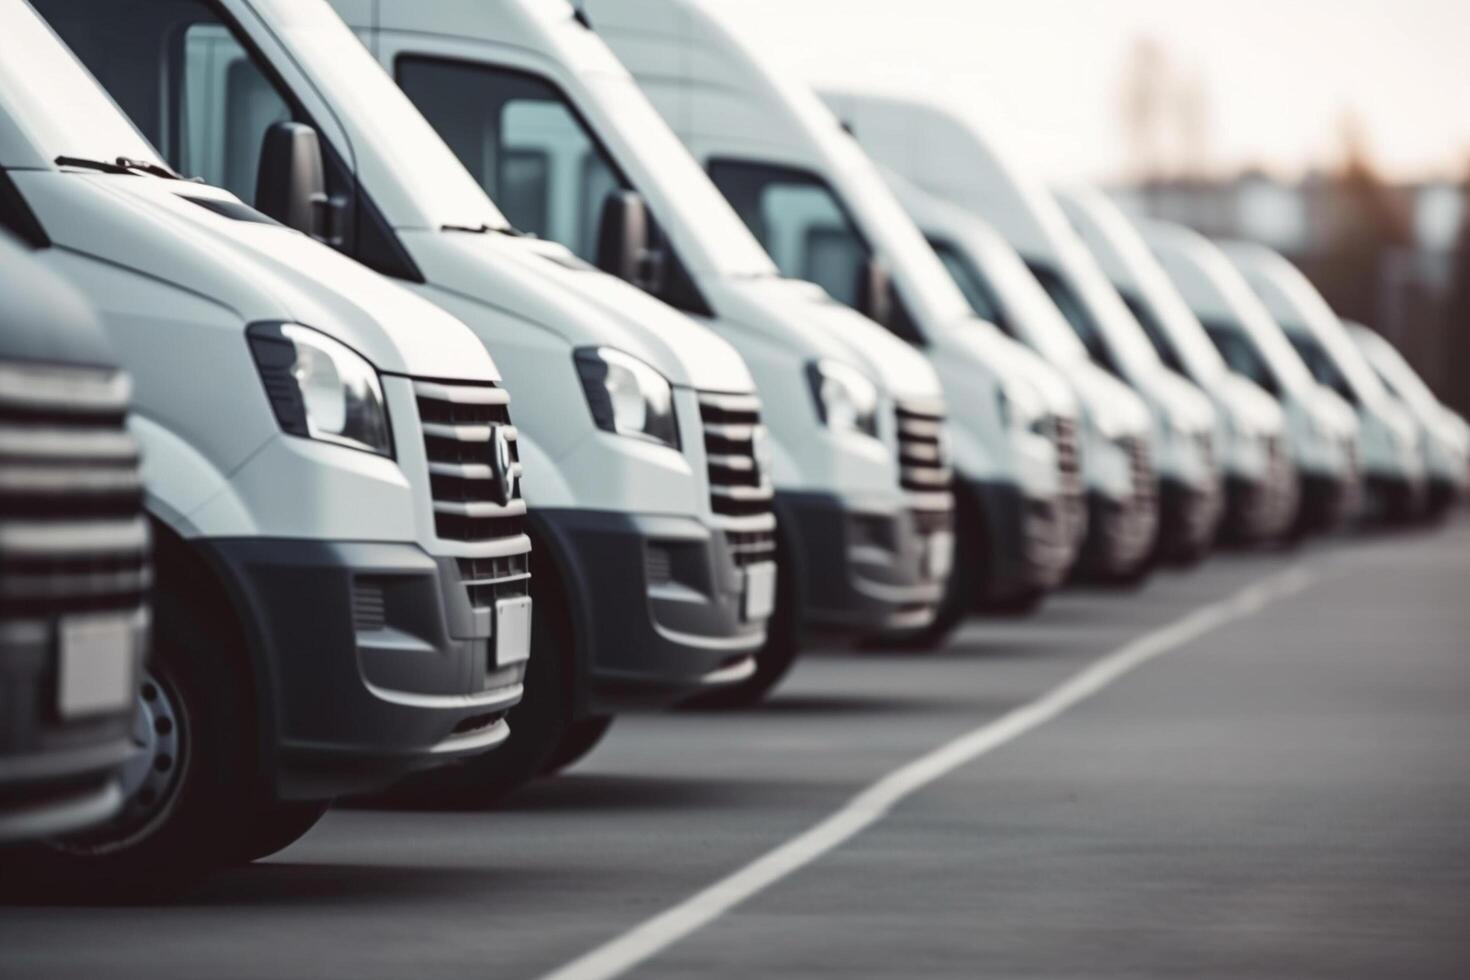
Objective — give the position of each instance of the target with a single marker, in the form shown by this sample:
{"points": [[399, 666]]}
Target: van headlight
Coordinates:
{"points": [[627, 396], [846, 400], [320, 388]]}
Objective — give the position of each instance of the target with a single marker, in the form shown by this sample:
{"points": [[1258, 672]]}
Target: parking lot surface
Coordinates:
{"points": [[1279, 791]]}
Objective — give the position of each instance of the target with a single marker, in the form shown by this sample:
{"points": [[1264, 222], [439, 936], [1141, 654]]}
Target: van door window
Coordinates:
{"points": [[1077, 315], [1155, 332], [798, 219], [1241, 356], [183, 78], [972, 283], [192, 83], [531, 151], [522, 142]]}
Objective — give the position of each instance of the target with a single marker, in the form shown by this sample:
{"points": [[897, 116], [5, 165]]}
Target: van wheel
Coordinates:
{"points": [[189, 792], [277, 826], [581, 737]]}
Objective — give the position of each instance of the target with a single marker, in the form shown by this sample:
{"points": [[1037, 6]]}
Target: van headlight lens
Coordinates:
{"points": [[627, 396], [846, 400], [321, 389]]}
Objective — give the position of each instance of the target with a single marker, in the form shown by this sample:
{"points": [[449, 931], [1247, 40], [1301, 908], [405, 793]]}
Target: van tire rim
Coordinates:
{"points": [[151, 778]]}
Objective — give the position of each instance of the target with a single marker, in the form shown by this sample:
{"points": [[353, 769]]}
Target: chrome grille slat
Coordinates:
{"points": [[73, 535], [924, 470], [460, 423], [740, 494]]}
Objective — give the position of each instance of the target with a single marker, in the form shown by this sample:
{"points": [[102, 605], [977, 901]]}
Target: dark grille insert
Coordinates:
{"points": [[475, 499], [923, 456], [73, 537], [740, 493]]}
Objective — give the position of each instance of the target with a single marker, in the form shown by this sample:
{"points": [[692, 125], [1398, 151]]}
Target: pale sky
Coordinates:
{"points": [[1279, 75]]}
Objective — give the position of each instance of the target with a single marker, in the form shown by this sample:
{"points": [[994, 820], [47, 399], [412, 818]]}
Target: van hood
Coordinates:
{"points": [[1330, 409], [1250, 408], [893, 363], [207, 241], [1005, 358], [545, 284], [1186, 407], [786, 310], [1114, 408]]}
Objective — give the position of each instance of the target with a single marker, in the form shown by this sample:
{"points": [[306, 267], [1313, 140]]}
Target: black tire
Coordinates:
{"points": [[774, 659], [538, 724], [277, 826], [192, 797], [581, 737]]}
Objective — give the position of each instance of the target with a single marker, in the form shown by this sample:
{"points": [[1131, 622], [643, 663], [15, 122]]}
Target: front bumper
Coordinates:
{"points": [[371, 660], [1189, 516], [866, 569], [667, 606], [58, 774], [1396, 498], [1328, 501], [1030, 543]]}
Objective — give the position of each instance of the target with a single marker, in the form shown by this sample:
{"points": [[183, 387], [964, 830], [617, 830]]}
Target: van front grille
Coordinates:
{"points": [[73, 535], [740, 488], [923, 456], [501, 577], [1141, 466], [474, 463]]}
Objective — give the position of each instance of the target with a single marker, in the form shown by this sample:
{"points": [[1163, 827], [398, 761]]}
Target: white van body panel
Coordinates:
{"points": [[185, 301], [1109, 409], [695, 71], [1445, 452], [950, 158], [1387, 435], [1246, 417], [778, 327], [1322, 429]]}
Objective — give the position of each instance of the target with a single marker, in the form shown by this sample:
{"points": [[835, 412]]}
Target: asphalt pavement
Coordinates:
{"points": [[1279, 791]]}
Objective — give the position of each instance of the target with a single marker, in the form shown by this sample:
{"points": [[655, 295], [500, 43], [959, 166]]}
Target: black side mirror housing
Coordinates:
{"points": [[625, 241], [875, 293], [291, 185]]}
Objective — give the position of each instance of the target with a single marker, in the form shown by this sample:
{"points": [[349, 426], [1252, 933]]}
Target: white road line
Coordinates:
{"points": [[643, 942]]}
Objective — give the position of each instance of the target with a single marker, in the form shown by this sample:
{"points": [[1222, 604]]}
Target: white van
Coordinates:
{"points": [[1122, 500], [654, 540], [73, 552], [1260, 480], [951, 158], [1393, 468], [327, 617], [818, 206], [553, 127], [1321, 429], [1442, 434]]}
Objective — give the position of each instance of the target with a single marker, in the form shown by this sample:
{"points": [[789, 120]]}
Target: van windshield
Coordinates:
{"points": [[1021, 307], [55, 102], [536, 156], [1322, 365], [1241, 354]]}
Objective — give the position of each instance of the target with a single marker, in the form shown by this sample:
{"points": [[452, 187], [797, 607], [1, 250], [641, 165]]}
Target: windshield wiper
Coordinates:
{"points": [[484, 229], [121, 165]]}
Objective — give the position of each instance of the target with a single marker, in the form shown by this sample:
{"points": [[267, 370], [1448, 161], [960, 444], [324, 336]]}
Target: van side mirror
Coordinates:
{"points": [[291, 185], [625, 241], [875, 292]]}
